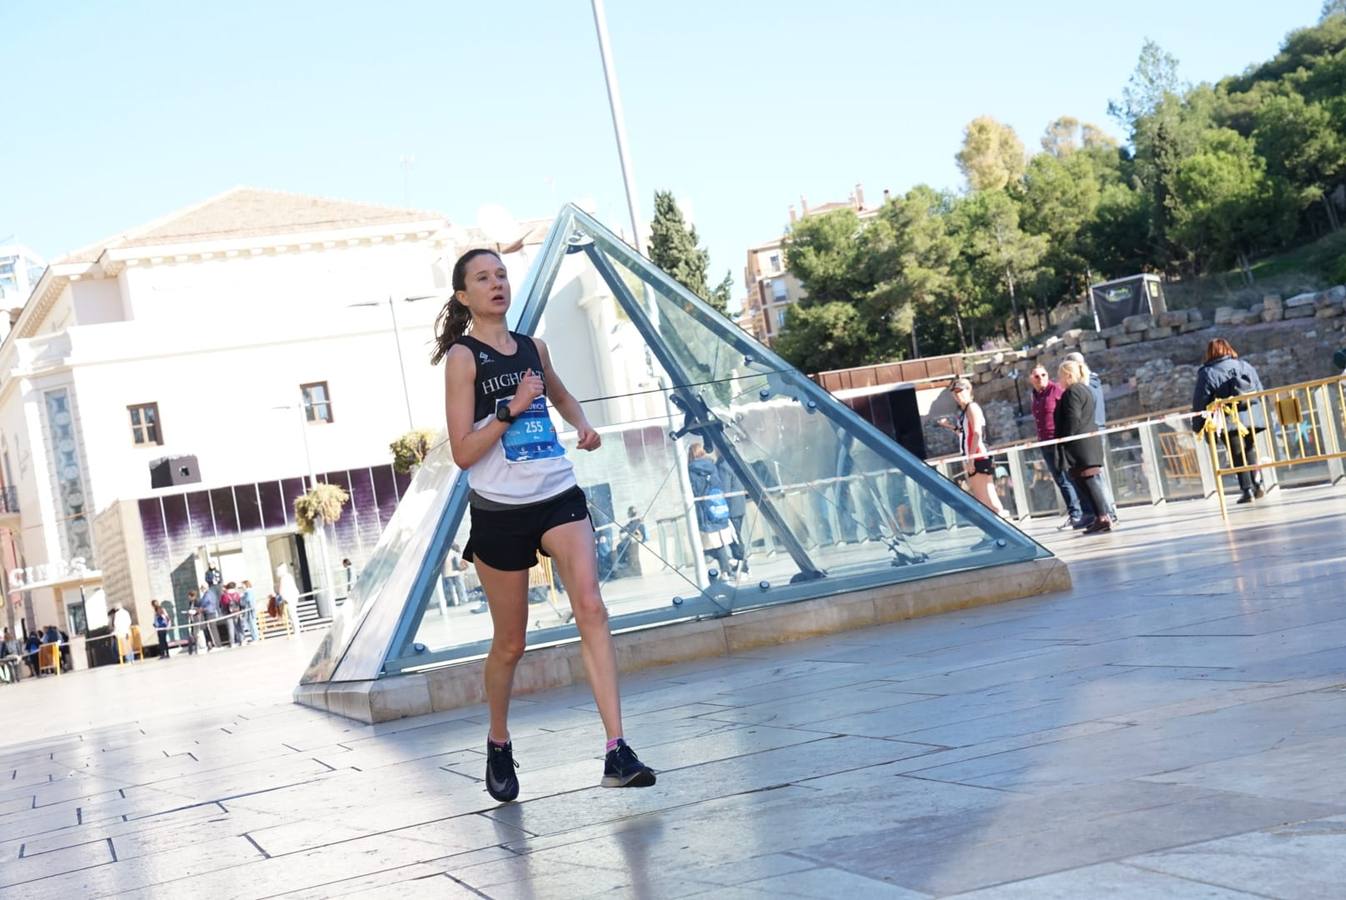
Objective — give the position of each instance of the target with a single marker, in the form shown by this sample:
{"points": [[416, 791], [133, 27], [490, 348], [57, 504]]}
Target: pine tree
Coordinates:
{"points": [[673, 248]]}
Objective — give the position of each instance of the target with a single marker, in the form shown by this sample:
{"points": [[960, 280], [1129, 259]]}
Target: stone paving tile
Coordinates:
{"points": [[1023, 837], [1154, 748], [1299, 861], [1107, 880], [1292, 772]]}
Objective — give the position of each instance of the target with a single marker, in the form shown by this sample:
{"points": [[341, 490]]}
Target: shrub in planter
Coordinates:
{"points": [[323, 501], [410, 449]]}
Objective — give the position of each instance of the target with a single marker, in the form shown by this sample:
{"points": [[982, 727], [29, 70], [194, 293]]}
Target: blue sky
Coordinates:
{"points": [[122, 112]]}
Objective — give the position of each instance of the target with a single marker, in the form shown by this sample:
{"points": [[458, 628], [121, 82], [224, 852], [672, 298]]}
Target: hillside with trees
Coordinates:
{"points": [[1210, 179]]}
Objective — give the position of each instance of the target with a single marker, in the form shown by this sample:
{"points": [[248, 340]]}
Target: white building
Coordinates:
{"points": [[237, 345]]}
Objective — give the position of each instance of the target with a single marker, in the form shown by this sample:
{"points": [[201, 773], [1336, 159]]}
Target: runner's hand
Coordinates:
{"points": [[530, 387], [588, 439]]}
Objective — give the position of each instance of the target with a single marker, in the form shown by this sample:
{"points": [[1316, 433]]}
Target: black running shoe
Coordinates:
{"points": [[622, 768], [501, 782]]}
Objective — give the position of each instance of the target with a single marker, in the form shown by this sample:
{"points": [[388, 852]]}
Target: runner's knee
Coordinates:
{"points": [[507, 648], [588, 608]]}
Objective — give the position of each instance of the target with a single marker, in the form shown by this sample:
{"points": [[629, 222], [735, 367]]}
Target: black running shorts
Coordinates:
{"points": [[510, 539]]}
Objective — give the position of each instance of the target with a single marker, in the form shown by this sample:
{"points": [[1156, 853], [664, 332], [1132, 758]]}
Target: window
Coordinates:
{"points": [[145, 424], [779, 291], [317, 402], [780, 319], [775, 262]]}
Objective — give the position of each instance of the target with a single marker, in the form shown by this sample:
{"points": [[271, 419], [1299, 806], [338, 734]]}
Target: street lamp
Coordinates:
{"points": [[326, 607], [397, 339], [618, 122]]}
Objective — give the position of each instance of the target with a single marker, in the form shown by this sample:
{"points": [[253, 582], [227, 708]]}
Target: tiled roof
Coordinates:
{"points": [[252, 212]]}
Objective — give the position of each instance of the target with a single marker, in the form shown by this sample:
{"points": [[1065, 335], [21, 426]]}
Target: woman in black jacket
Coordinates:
{"points": [[1082, 459], [1223, 375]]}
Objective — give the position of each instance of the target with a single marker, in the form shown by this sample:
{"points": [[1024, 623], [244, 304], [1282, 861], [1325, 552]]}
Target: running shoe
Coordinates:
{"points": [[623, 768], [501, 782]]}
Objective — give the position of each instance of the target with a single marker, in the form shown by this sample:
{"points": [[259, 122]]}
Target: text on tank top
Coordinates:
{"points": [[528, 464]]}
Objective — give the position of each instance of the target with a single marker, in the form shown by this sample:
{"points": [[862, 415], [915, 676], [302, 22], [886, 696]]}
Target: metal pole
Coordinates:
{"points": [[401, 366], [618, 122]]}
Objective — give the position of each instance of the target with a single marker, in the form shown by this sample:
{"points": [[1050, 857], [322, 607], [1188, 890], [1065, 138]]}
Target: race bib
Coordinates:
{"points": [[532, 436]]}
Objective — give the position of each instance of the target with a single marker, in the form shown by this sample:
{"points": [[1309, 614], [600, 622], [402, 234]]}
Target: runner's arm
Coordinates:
{"points": [[467, 445]]}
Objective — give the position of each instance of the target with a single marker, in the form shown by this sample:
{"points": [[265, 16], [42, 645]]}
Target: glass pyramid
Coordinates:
{"points": [[822, 503]]}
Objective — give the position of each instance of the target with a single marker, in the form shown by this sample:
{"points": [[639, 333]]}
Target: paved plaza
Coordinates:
{"points": [[1174, 726]]}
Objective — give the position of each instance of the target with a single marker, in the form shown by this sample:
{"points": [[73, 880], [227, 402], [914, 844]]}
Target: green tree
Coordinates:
{"points": [[992, 156], [1301, 145], [1225, 206], [909, 253], [997, 248], [1118, 237], [832, 335], [823, 253], [1059, 200], [1155, 77], [1332, 8], [1067, 134], [674, 247]]}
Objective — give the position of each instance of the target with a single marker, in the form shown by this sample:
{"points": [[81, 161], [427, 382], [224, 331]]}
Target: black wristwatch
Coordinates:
{"points": [[503, 414]]}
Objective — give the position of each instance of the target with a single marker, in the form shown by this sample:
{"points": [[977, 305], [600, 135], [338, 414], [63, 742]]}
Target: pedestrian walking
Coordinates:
{"points": [[523, 498], [970, 427]]}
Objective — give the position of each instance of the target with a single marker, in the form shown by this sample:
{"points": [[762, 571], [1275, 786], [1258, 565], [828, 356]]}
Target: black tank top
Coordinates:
{"points": [[499, 375]]}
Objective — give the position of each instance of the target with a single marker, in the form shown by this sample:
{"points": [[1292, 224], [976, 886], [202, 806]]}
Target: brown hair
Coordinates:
{"points": [[455, 317], [1219, 347]]}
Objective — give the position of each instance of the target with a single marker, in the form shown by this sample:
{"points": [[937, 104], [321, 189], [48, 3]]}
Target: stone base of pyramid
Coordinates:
{"points": [[460, 684]]}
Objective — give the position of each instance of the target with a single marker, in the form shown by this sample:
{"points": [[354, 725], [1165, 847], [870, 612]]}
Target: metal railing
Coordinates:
{"points": [[1159, 458], [1301, 425]]}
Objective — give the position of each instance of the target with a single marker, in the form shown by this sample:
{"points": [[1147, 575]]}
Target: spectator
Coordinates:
{"points": [[1082, 458], [349, 571], [1100, 421], [121, 627], [231, 607], [197, 613], [1222, 376], [712, 510], [1046, 394], [31, 645], [454, 577], [161, 626], [248, 604], [634, 534], [210, 612], [738, 507], [11, 655]]}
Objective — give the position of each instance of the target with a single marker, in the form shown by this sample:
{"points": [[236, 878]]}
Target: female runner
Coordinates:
{"points": [[523, 498]]}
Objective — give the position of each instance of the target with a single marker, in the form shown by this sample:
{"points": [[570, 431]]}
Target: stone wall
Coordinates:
{"points": [[1149, 364]]}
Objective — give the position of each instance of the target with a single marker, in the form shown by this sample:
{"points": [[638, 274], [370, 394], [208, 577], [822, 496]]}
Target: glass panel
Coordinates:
{"points": [[1044, 497], [725, 480], [1126, 467], [1179, 466]]}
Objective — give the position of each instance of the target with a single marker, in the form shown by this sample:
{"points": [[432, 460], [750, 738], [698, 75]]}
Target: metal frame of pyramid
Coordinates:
{"points": [[374, 634]]}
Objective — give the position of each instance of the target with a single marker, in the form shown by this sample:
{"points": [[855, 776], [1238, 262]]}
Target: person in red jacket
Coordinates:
{"points": [[1046, 393]]}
